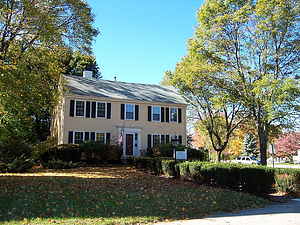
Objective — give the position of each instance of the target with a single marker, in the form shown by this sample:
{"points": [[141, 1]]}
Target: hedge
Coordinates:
{"points": [[254, 179]]}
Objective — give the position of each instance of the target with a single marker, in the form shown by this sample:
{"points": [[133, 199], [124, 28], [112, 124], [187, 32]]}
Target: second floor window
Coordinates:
{"points": [[174, 115], [155, 113], [129, 112], [101, 109], [79, 108]]}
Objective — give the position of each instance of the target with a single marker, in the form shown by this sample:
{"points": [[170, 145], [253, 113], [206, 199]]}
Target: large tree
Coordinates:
{"points": [[256, 45], [34, 38]]}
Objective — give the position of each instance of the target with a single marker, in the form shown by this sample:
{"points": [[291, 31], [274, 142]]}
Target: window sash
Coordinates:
{"points": [[79, 108], [174, 115], [156, 139], [101, 110], [78, 137], [100, 136], [129, 112], [156, 113]]}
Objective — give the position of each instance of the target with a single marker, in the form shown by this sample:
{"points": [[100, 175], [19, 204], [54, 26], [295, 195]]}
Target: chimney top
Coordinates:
{"points": [[87, 74], [115, 79]]}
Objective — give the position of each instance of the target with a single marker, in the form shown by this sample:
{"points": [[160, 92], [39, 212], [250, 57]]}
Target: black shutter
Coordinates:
{"points": [[149, 140], [163, 139], [162, 116], [86, 136], [122, 111], [93, 109], [167, 139], [108, 111], [179, 116], [107, 138], [93, 136], [180, 139], [167, 115], [88, 109], [70, 136], [136, 113], [149, 113], [72, 105]]}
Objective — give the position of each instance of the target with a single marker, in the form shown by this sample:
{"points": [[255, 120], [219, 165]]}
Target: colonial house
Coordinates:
{"points": [[138, 116]]}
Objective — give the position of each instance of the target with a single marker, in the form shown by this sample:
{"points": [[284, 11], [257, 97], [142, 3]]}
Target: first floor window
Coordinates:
{"points": [[78, 137], [129, 112], [174, 115], [79, 108], [156, 138], [100, 137]]}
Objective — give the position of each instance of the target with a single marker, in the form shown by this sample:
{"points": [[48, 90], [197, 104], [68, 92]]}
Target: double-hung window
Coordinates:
{"points": [[100, 136], [101, 110], [155, 113], [79, 108], [129, 112], [156, 139], [174, 115], [78, 137]]}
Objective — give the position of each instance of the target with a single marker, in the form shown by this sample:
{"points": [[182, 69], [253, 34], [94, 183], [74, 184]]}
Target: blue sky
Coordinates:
{"points": [[142, 39]]}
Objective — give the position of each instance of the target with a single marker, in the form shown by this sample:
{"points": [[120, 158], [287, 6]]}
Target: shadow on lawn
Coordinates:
{"points": [[118, 192]]}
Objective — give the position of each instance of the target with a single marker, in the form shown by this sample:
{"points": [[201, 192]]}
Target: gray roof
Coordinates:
{"points": [[122, 90]]}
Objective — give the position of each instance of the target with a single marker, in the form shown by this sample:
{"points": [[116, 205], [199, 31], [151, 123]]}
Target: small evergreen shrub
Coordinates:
{"points": [[64, 152], [168, 168], [95, 152], [114, 153], [287, 180]]}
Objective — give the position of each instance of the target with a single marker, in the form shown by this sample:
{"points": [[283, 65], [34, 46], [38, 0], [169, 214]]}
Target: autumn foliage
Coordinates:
{"points": [[287, 145]]}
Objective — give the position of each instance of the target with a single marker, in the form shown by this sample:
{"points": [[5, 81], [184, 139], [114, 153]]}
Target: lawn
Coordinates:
{"points": [[110, 195]]}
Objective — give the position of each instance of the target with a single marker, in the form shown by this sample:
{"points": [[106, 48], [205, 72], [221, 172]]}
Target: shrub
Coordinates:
{"points": [[64, 152], [95, 152], [194, 168], [200, 154], [114, 153], [59, 164], [227, 175], [15, 155], [168, 168], [40, 147], [287, 180], [257, 179], [184, 171], [163, 150]]}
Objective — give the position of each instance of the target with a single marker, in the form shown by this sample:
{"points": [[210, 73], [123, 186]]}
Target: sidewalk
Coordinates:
{"points": [[287, 213]]}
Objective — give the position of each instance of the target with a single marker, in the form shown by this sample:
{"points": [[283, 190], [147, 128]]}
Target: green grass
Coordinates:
{"points": [[110, 195]]}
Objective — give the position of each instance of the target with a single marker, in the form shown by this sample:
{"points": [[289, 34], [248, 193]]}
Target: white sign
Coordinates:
{"points": [[181, 154]]}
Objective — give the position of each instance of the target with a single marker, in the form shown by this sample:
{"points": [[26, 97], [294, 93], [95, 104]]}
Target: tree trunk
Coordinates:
{"points": [[263, 143], [218, 156]]}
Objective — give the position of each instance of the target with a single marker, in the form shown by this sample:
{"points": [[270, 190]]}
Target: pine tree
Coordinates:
{"points": [[250, 145]]}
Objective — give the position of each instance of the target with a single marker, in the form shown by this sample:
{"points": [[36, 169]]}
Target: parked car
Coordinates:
{"points": [[246, 160]]}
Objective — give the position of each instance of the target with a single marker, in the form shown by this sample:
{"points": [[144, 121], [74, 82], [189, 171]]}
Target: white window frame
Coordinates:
{"points": [[171, 115], [104, 112], [159, 119], [133, 115], [78, 131], [100, 132], [84, 107], [152, 139]]}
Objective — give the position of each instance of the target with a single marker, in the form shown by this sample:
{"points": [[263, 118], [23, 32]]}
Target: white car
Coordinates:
{"points": [[246, 160]]}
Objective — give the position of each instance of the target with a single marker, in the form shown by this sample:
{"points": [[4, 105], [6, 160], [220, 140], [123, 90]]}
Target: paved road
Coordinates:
{"points": [[279, 214]]}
